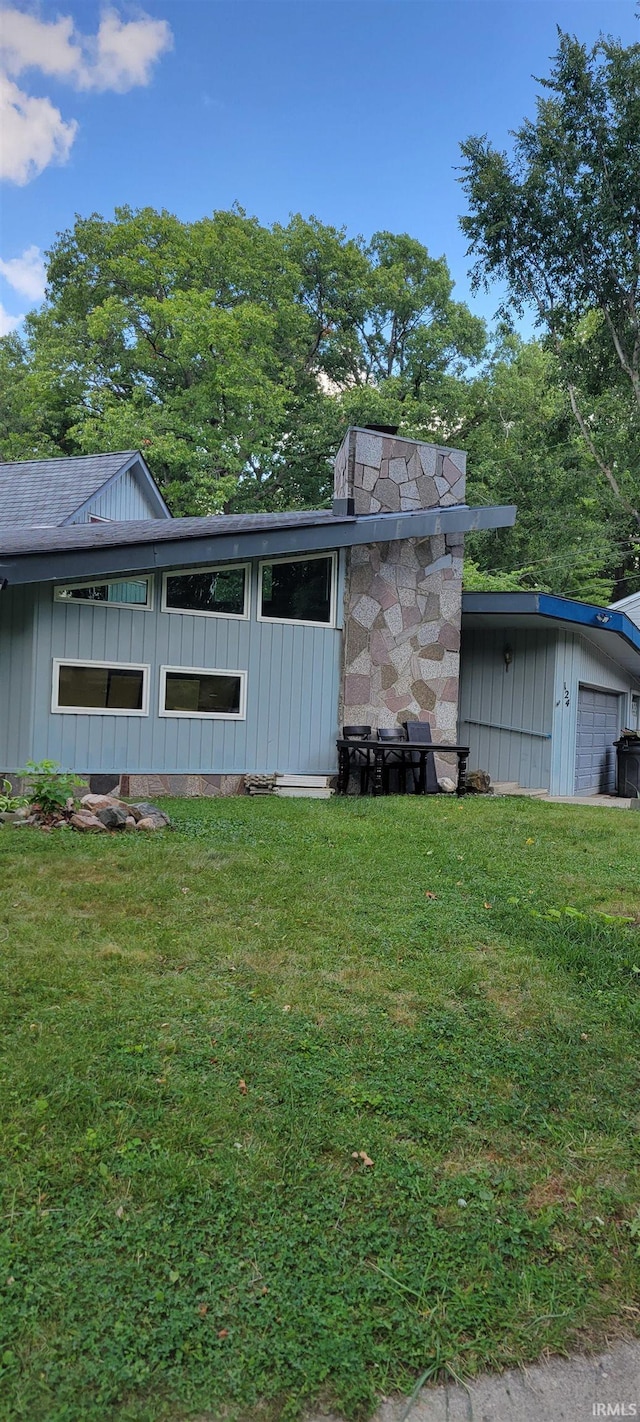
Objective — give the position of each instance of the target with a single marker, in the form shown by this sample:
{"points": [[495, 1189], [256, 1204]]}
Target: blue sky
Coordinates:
{"points": [[350, 110]]}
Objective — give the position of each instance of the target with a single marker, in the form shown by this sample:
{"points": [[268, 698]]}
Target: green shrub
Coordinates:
{"points": [[48, 786], [9, 801]]}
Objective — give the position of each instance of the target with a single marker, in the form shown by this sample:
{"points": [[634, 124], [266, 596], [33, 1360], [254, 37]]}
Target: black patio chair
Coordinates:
{"points": [[419, 733], [394, 775], [361, 757]]}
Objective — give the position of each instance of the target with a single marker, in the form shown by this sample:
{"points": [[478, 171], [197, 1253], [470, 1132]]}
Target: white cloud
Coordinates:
{"points": [[26, 273], [119, 57], [124, 52], [8, 323], [29, 43], [34, 134]]}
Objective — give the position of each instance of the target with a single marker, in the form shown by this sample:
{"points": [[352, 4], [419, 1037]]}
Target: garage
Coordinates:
{"points": [[547, 684], [598, 726]]}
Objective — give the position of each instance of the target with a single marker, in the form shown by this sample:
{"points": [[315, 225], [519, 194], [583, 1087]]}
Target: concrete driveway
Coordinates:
{"points": [[562, 1390]]}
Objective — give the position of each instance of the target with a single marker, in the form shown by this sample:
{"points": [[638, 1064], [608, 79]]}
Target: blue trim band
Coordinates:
{"points": [[563, 609]]}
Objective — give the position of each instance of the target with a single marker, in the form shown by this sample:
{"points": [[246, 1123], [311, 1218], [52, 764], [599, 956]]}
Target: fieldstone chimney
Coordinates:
{"points": [[380, 473], [402, 607]]}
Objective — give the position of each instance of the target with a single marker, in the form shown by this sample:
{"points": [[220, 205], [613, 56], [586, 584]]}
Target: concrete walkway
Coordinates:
{"points": [[562, 1390]]}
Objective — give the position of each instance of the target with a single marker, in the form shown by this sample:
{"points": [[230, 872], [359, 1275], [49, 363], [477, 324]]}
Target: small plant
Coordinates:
{"points": [[9, 801], [49, 786]]}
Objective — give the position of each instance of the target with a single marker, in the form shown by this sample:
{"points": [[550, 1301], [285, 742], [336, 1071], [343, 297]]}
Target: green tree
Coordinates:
{"points": [[233, 354], [515, 420], [559, 224]]}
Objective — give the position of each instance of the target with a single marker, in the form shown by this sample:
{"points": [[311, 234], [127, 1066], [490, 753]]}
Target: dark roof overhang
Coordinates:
{"points": [[90, 551]]}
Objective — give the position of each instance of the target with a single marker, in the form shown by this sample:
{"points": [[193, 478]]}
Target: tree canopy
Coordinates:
{"points": [[223, 348], [236, 354], [558, 222]]}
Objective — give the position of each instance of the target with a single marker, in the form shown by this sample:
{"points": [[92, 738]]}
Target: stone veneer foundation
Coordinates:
{"points": [[146, 786], [403, 599]]}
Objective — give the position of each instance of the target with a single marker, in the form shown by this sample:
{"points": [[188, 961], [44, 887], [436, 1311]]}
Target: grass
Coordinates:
{"points": [[200, 1029]]}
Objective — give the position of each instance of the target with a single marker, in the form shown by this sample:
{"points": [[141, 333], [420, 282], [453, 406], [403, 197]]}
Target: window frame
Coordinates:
{"points": [[201, 611], [301, 558], [634, 710], [240, 715], [144, 667], [147, 606]]}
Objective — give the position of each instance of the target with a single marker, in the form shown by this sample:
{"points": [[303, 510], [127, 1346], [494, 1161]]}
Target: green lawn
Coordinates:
{"points": [[201, 1028]]}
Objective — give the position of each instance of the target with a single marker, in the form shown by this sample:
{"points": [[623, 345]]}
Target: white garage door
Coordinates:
{"points": [[598, 727]]}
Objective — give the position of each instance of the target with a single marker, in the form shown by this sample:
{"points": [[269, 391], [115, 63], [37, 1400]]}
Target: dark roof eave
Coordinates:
{"points": [[69, 562]]}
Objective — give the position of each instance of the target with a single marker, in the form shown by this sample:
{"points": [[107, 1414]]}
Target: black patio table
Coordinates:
{"points": [[382, 751]]}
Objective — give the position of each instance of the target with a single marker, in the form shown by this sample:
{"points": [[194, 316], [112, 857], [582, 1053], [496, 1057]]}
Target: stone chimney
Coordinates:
{"points": [[402, 606], [381, 473]]}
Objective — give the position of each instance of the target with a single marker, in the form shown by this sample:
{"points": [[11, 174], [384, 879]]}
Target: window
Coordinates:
{"points": [[100, 688], [298, 590], [200, 691], [134, 592], [214, 592]]}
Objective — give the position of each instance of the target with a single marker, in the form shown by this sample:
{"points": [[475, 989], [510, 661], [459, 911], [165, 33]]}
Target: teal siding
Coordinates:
{"points": [[579, 664], [124, 499], [16, 676], [292, 690], [506, 716], [521, 724]]}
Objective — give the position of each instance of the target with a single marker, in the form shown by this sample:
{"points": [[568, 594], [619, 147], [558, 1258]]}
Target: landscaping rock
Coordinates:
{"points": [[113, 817], [130, 823], [84, 820], [446, 785], [12, 817], [143, 810], [478, 782], [96, 802], [152, 822]]}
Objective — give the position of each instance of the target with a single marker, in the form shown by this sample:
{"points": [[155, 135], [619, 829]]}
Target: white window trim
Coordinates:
{"points": [[300, 558], [58, 662], [240, 715], [203, 612], [106, 582]]}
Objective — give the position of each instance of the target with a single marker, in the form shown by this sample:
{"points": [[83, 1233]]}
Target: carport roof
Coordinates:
{"points": [[608, 629]]}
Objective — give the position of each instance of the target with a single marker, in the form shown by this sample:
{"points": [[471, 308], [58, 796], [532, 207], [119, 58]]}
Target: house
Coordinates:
{"points": [[629, 605], [547, 685], [178, 655], [92, 488]]}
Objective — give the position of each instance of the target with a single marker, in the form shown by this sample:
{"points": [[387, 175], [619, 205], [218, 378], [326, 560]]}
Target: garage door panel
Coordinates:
{"points": [[597, 729]]}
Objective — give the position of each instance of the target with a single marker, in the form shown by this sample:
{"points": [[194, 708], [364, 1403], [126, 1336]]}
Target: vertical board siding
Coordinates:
{"points": [[578, 663], [123, 500], [500, 709], [16, 676], [292, 691]]}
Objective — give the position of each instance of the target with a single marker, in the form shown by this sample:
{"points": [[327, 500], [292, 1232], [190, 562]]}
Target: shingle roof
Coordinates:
{"points": [[152, 530], [37, 492]]}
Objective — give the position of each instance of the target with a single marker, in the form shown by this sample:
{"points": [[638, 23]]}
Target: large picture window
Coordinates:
{"points": [[298, 590], [100, 688], [133, 592], [214, 592], [202, 692]]}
